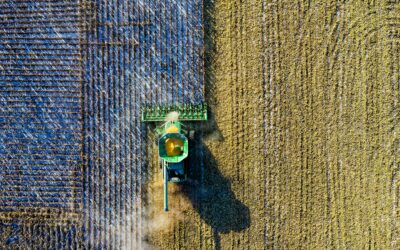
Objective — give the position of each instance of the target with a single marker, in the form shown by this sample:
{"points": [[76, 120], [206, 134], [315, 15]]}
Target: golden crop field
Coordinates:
{"points": [[303, 147]]}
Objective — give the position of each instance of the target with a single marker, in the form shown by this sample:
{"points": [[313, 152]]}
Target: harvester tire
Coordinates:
{"points": [[191, 134]]}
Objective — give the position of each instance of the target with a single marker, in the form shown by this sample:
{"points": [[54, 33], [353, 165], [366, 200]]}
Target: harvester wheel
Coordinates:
{"points": [[186, 166], [191, 134]]}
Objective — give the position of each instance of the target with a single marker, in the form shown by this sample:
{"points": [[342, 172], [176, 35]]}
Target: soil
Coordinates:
{"points": [[302, 146]]}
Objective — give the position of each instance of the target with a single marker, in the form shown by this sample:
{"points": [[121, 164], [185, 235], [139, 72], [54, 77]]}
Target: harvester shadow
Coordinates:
{"points": [[208, 189], [211, 195]]}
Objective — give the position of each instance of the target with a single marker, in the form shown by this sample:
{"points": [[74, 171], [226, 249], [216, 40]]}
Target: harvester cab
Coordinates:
{"points": [[173, 139]]}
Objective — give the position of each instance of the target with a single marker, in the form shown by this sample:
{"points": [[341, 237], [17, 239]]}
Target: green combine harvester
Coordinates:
{"points": [[173, 143]]}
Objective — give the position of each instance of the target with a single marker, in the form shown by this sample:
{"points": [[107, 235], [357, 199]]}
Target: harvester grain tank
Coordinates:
{"points": [[173, 139]]}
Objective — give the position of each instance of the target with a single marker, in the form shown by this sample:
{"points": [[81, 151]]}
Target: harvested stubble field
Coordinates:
{"points": [[302, 150]]}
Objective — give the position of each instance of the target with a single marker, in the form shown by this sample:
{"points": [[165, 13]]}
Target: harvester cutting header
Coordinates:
{"points": [[173, 143]]}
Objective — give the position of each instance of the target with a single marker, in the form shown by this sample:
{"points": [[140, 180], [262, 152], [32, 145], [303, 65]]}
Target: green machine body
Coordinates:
{"points": [[173, 139]]}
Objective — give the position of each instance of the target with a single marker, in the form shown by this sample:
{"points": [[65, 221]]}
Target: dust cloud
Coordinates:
{"points": [[172, 116], [157, 221]]}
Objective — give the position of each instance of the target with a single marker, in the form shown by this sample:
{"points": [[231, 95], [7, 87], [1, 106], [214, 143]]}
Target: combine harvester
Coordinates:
{"points": [[173, 144]]}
